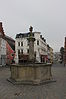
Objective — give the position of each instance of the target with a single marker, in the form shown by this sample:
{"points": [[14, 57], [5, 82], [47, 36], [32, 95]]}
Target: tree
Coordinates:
{"points": [[62, 52]]}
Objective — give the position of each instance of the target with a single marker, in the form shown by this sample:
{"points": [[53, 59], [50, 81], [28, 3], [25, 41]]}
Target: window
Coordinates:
{"points": [[18, 43], [21, 43], [18, 51], [21, 51], [12, 54], [33, 34], [27, 50], [37, 42]]}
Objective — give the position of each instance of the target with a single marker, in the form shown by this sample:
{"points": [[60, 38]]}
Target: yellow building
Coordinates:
{"points": [[51, 55]]}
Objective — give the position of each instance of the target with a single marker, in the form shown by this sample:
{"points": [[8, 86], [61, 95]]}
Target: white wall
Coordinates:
{"points": [[2, 52], [24, 47], [3, 47]]}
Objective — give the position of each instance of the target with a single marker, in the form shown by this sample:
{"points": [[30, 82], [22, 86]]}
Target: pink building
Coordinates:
{"points": [[9, 54], [7, 48]]}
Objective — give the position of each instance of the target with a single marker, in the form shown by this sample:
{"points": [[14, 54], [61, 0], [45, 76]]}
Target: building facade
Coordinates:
{"points": [[10, 50], [7, 45], [49, 54], [22, 47], [9, 54], [56, 57], [2, 47], [2, 52]]}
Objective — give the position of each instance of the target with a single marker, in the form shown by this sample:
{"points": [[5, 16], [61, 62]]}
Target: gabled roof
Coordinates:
{"points": [[10, 41], [20, 35], [7, 38]]}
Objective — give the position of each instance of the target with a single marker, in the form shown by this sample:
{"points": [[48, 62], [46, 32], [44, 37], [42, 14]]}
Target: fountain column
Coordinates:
{"points": [[31, 40]]}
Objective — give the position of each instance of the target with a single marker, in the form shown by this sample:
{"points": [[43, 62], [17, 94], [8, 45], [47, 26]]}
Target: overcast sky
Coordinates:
{"points": [[46, 16]]}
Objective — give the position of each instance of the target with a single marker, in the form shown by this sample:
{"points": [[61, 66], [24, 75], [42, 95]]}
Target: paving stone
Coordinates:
{"points": [[55, 90]]}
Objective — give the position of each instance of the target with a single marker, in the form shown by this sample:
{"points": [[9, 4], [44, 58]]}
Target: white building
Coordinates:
{"points": [[22, 47], [56, 56], [2, 52], [50, 54]]}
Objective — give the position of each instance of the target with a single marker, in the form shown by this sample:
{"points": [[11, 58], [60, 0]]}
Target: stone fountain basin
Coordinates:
{"points": [[30, 73]]}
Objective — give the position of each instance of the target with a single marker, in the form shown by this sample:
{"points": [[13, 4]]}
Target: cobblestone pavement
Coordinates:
{"points": [[55, 90]]}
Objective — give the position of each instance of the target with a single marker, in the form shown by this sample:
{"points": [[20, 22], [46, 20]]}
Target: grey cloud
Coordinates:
{"points": [[46, 16]]}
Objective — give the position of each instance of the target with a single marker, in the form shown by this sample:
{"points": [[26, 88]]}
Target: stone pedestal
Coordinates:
{"points": [[30, 73]]}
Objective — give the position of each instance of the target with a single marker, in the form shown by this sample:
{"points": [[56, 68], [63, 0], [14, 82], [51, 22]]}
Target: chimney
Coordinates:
{"points": [[1, 29]]}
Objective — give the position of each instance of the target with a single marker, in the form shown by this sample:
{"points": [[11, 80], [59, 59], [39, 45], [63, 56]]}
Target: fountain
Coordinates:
{"points": [[31, 72]]}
